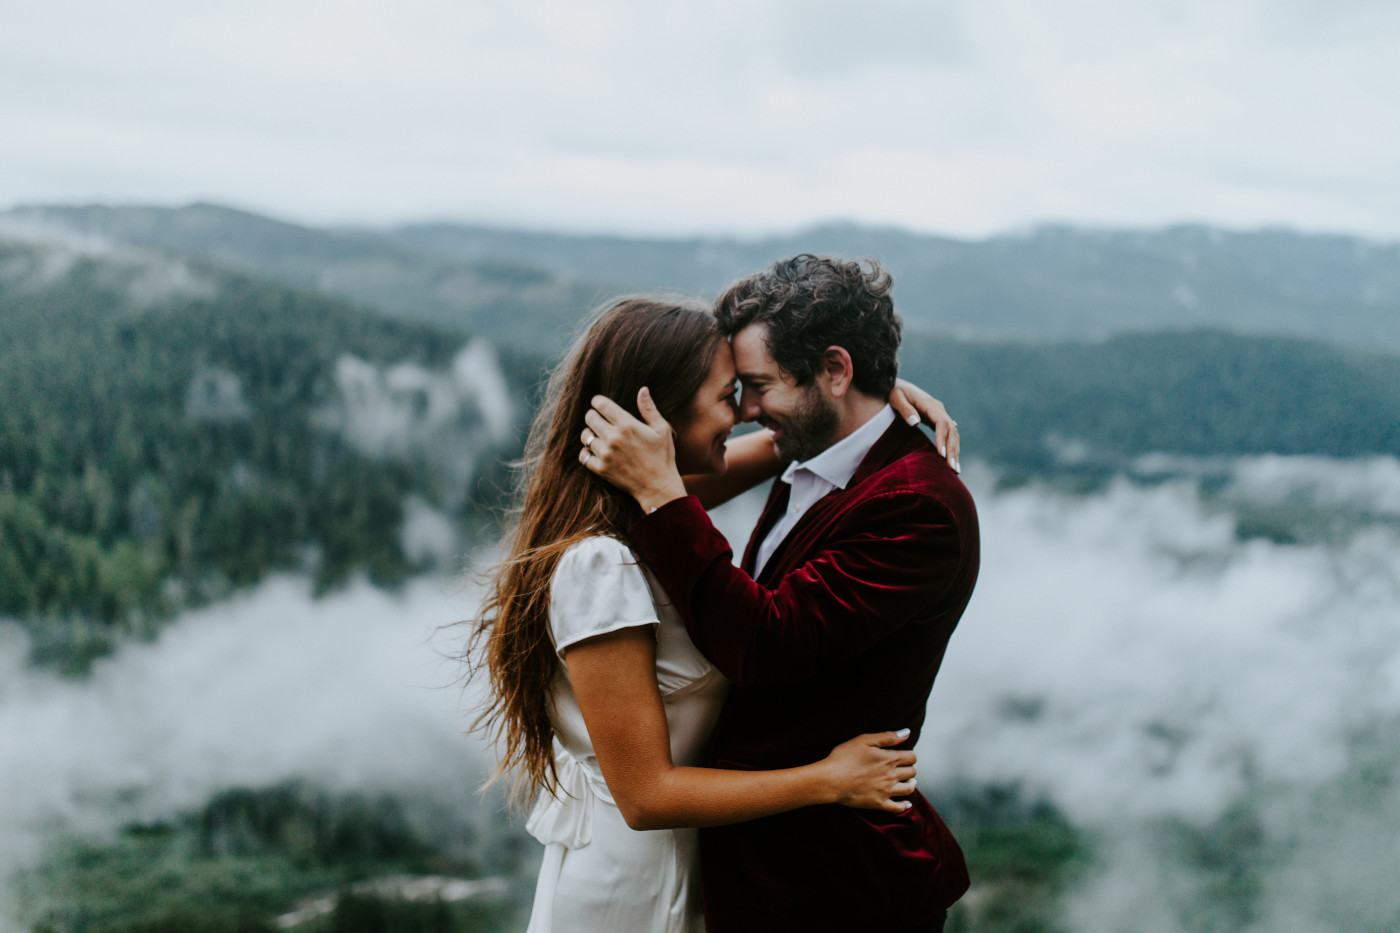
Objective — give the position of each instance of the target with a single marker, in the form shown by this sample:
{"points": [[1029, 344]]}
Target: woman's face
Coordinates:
{"points": [[700, 436]]}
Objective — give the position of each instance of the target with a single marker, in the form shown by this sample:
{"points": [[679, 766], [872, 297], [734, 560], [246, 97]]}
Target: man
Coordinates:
{"points": [[836, 624]]}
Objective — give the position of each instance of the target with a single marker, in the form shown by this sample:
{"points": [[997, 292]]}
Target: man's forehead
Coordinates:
{"points": [[723, 365], [751, 354]]}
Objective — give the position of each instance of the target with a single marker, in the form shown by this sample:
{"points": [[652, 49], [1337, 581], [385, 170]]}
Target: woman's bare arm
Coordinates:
{"points": [[614, 680], [748, 460]]}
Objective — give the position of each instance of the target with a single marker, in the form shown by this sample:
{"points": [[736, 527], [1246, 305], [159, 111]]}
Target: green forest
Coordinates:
{"points": [[160, 453], [119, 502], [1198, 393]]}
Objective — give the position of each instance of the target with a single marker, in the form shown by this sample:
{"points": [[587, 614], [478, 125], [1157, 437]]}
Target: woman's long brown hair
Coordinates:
{"points": [[664, 345]]}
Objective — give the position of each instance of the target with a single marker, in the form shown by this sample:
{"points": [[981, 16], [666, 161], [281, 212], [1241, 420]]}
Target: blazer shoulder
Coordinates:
{"points": [[918, 476], [917, 466]]}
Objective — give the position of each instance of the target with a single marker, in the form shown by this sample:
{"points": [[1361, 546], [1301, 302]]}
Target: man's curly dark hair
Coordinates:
{"points": [[810, 303]]}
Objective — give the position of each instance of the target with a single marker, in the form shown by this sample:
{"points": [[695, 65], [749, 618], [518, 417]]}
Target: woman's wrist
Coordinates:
{"points": [[825, 782], [654, 498]]}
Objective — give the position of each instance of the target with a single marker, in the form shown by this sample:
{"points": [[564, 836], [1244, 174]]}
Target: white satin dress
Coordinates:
{"points": [[599, 875]]}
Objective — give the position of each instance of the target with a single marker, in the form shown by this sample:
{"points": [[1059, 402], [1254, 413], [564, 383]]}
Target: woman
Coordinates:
{"points": [[598, 697]]}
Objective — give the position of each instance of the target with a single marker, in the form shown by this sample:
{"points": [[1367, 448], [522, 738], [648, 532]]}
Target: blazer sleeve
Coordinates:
{"points": [[889, 559]]}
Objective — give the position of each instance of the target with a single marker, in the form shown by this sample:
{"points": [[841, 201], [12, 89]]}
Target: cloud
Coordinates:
{"points": [[1128, 659], [348, 691], [1125, 657], [405, 411]]}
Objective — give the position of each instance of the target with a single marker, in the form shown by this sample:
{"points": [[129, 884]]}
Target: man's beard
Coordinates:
{"points": [[808, 429]]}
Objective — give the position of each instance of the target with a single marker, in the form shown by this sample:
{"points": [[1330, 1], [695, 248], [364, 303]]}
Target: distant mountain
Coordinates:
{"points": [[510, 300], [1054, 283]]}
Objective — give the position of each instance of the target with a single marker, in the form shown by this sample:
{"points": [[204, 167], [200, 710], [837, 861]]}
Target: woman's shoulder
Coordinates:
{"points": [[598, 587], [595, 554], [597, 558]]}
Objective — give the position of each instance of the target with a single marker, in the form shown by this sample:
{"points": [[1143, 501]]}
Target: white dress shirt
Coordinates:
{"points": [[814, 478]]}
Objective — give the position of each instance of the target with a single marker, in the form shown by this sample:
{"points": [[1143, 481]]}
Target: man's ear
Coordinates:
{"points": [[839, 370]]}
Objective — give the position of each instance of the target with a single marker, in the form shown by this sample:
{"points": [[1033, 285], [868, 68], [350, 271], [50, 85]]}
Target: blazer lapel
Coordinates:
{"points": [[893, 444], [772, 511]]}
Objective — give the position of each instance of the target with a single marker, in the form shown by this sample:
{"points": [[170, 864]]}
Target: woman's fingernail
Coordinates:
{"points": [[907, 805], [956, 465], [914, 418], [902, 733], [913, 782], [942, 450]]}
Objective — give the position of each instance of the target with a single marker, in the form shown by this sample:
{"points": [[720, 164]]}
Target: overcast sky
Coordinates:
{"points": [[650, 116]]}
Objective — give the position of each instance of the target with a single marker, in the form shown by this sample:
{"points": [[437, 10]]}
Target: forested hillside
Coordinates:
{"points": [[170, 433], [174, 431], [1203, 393]]}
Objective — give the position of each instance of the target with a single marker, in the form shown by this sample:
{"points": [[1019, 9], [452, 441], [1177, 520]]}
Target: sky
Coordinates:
{"points": [[968, 117]]}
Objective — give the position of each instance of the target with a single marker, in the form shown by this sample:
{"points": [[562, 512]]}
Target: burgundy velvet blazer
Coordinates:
{"points": [[842, 634]]}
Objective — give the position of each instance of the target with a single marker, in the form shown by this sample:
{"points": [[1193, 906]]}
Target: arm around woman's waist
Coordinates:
{"points": [[614, 680]]}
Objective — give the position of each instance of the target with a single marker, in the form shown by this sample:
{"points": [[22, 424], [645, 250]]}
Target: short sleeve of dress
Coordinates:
{"points": [[598, 588]]}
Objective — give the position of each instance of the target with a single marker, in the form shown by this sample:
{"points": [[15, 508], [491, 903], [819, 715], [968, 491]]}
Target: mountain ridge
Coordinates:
{"points": [[1049, 283]]}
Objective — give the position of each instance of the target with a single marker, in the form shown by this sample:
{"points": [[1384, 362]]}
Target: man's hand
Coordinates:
{"points": [[909, 402], [638, 458]]}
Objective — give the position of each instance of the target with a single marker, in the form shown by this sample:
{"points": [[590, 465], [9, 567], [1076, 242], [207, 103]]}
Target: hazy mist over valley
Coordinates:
{"points": [[244, 465]]}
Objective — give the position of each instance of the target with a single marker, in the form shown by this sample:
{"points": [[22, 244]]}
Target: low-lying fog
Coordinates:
{"points": [[347, 691], [1126, 657]]}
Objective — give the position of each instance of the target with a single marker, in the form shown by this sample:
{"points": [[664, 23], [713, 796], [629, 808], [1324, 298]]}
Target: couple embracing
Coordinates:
{"points": [[737, 737]]}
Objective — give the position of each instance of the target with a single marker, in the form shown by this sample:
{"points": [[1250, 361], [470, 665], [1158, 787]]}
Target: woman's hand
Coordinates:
{"points": [[638, 457], [867, 771], [910, 402]]}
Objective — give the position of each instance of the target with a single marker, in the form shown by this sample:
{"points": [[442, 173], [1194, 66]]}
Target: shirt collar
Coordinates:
{"points": [[839, 462]]}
